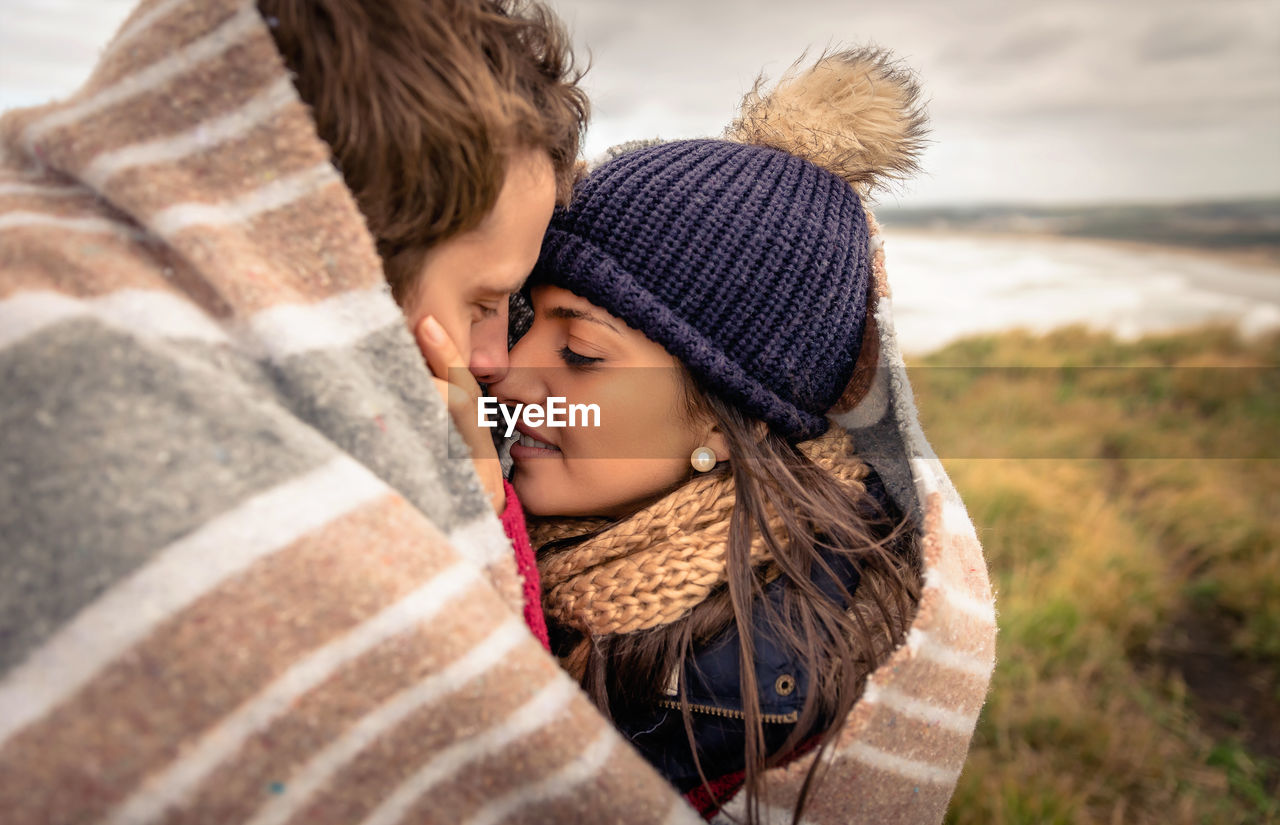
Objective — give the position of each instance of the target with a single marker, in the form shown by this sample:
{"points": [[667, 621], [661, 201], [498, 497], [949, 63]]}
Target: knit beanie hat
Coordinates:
{"points": [[747, 259]]}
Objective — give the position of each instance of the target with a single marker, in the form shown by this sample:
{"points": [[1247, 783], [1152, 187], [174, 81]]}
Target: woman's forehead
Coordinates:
{"points": [[547, 295], [558, 302]]}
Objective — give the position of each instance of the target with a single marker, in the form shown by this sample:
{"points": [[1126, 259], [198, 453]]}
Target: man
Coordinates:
{"points": [[241, 580], [425, 127], [456, 141]]}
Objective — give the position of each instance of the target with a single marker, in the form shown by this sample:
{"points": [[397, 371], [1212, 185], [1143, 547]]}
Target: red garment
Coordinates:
{"points": [[526, 564], [703, 798], [722, 790]]}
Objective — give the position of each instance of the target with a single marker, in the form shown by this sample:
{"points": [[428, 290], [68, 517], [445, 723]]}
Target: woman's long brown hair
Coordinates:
{"points": [[837, 644]]}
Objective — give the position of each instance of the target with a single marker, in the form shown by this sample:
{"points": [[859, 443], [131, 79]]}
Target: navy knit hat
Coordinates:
{"points": [[748, 264]]}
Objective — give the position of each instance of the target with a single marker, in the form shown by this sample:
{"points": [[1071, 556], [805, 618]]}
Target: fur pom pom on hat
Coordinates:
{"points": [[855, 113], [748, 259]]}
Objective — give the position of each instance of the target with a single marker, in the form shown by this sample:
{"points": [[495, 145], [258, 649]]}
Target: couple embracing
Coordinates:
{"points": [[287, 599]]}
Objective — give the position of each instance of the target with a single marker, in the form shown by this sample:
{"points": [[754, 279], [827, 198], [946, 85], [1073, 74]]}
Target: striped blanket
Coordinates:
{"points": [[899, 756], [243, 575]]}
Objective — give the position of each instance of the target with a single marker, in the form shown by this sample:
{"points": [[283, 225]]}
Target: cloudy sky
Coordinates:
{"points": [[1053, 101]]}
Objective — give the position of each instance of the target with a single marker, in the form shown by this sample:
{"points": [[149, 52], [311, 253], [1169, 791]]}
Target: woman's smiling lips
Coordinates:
{"points": [[530, 446]]}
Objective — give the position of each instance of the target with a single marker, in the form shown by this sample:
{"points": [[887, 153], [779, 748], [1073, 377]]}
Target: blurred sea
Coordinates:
{"points": [[949, 285]]}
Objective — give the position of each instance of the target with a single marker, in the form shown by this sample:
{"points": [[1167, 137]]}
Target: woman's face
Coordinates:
{"points": [[641, 448]]}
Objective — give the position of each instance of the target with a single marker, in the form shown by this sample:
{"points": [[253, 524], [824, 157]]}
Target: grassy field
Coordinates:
{"points": [[1129, 518]]}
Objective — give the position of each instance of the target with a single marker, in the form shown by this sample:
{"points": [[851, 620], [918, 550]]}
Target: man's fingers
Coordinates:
{"points": [[462, 411], [455, 383], [460, 392], [460, 405], [438, 349]]}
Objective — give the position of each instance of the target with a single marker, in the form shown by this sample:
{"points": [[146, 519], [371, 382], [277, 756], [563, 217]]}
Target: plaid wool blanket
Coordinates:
{"points": [[241, 579]]}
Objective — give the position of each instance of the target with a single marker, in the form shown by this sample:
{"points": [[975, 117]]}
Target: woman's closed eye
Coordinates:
{"points": [[575, 359]]}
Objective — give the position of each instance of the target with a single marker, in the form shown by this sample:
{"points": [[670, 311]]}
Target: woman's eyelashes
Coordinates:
{"points": [[575, 359]]}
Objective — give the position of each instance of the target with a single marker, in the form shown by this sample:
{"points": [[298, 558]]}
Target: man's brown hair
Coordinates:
{"points": [[423, 103]]}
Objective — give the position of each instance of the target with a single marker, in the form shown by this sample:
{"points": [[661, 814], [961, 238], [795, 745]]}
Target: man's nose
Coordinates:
{"points": [[522, 381], [489, 360]]}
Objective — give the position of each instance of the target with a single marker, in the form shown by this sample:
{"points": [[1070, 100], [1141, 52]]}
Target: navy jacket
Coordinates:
{"points": [[714, 691]]}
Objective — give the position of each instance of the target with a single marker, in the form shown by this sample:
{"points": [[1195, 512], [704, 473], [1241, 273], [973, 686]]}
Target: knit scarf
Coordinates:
{"points": [[653, 567]]}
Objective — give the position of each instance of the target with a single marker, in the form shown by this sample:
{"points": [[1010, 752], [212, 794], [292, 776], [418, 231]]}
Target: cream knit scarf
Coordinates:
{"points": [[657, 565]]}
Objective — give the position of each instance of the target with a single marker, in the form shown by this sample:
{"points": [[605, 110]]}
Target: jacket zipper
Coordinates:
{"points": [[775, 718]]}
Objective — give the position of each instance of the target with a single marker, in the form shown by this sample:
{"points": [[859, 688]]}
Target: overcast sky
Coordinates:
{"points": [[1052, 101]]}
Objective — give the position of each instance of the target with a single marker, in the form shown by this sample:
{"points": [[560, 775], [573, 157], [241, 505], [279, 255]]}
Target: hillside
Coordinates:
{"points": [[1128, 517]]}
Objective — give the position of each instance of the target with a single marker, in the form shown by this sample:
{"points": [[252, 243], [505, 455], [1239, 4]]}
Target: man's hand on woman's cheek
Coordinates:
{"points": [[461, 394]]}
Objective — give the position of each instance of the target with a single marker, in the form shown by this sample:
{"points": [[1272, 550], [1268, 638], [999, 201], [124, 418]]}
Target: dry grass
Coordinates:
{"points": [[1119, 507]]}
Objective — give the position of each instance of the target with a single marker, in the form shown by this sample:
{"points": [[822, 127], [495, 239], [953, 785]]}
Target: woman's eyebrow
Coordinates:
{"points": [[571, 314]]}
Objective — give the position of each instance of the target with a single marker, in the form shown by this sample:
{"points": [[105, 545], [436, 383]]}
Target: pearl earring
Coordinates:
{"points": [[703, 459]]}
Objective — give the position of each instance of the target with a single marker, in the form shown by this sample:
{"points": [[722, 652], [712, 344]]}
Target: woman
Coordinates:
{"points": [[732, 278], [720, 571]]}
